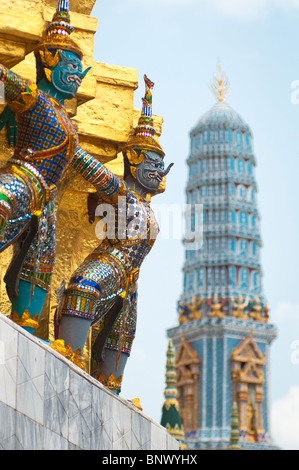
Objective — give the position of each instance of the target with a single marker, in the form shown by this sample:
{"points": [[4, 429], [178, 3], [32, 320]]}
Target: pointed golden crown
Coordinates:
{"points": [[144, 136], [58, 33]]}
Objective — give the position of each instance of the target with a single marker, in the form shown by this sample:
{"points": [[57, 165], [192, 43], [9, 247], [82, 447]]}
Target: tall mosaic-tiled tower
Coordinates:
{"points": [[223, 338]]}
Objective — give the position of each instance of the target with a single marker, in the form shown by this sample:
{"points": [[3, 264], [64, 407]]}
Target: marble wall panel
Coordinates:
{"points": [[7, 428], [47, 403], [8, 364]]}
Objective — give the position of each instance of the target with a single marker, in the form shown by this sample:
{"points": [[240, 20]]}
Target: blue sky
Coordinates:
{"points": [[178, 44]]}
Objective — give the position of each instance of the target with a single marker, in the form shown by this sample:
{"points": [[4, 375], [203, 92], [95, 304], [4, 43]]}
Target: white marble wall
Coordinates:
{"points": [[47, 403]]}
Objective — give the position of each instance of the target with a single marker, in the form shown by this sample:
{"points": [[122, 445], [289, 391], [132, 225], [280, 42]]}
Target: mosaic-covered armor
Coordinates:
{"points": [[46, 145], [102, 292]]}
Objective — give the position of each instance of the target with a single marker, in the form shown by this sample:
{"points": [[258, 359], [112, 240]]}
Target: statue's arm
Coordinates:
{"points": [[20, 94], [105, 182], [14, 85]]}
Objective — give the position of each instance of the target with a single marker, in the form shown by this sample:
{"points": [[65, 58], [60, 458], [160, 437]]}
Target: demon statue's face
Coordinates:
{"points": [[150, 172], [147, 169], [68, 74]]}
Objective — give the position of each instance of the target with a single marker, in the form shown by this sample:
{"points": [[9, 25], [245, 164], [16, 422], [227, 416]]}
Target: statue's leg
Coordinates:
{"points": [[28, 309], [35, 280], [111, 362], [92, 283], [77, 308], [77, 311], [74, 331], [111, 369], [19, 196]]}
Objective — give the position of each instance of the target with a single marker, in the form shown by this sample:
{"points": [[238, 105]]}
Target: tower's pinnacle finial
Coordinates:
{"points": [[220, 86]]}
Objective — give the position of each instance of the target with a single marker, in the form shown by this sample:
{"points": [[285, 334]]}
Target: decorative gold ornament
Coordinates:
{"points": [[29, 99], [220, 86], [239, 309], [48, 59], [193, 306], [111, 382], [171, 402], [133, 157], [255, 314], [58, 346], [181, 311], [216, 306], [140, 141], [162, 186], [266, 313], [187, 369], [48, 74], [74, 356], [56, 41], [133, 171], [190, 311], [247, 375], [66, 351], [136, 403], [25, 320], [58, 34]]}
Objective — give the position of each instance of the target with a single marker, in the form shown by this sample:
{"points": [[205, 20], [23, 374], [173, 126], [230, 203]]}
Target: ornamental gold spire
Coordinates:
{"points": [[220, 86], [171, 419], [170, 390], [234, 433]]}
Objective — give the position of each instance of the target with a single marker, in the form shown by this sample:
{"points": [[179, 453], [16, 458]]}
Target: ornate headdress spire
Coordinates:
{"points": [[146, 123], [220, 86], [61, 23], [59, 31], [145, 134]]}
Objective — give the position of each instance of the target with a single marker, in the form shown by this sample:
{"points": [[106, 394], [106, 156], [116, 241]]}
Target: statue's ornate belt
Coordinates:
{"points": [[50, 191]]}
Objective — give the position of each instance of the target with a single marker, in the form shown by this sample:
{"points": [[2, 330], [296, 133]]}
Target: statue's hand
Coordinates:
{"points": [[8, 118], [92, 203]]}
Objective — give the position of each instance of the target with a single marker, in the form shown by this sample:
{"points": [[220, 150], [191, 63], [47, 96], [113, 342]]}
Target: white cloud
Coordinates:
{"points": [[251, 9], [242, 9], [285, 420], [247, 9]]}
